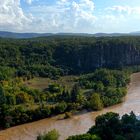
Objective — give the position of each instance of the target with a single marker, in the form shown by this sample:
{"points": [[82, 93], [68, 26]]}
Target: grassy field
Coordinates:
{"points": [[42, 83]]}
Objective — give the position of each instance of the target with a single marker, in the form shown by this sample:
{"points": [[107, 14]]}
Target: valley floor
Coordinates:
{"points": [[78, 124]]}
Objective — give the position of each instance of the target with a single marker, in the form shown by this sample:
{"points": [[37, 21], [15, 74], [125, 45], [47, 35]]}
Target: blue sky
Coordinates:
{"points": [[86, 16]]}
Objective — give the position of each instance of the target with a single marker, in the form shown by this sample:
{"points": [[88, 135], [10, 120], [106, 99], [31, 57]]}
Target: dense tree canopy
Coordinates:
{"points": [[56, 56], [111, 127], [92, 60]]}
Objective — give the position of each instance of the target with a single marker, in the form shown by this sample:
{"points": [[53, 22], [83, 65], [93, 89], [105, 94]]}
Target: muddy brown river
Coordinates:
{"points": [[78, 124]]}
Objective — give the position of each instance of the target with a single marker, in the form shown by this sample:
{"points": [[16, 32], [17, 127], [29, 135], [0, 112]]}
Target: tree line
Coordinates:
{"points": [[56, 56], [109, 126], [20, 104]]}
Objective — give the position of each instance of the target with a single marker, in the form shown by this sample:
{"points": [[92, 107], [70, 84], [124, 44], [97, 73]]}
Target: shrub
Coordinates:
{"points": [[51, 135]]}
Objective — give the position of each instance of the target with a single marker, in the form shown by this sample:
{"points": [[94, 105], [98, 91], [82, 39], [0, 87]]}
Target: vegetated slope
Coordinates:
{"points": [[48, 57], [20, 104], [53, 57]]}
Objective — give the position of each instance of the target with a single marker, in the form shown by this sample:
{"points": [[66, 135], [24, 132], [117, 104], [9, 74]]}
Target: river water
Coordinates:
{"points": [[77, 124]]}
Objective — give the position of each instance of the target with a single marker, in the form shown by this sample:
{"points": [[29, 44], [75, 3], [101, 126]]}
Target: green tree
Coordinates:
{"points": [[119, 137], [75, 92], [2, 96], [54, 88], [99, 87], [10, 99], [84, 137], [107, 126], [95, 102], [81, 99], [60, 107]]}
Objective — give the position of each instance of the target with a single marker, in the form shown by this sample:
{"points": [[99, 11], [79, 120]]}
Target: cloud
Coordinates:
{"points": [[125, 9], [63, 0], [120, 18], [66, 16], [12, 16], [29, 1]]}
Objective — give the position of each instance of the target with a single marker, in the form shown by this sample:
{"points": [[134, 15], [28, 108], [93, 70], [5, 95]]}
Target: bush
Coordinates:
{"points": [[51, 135], [68, 115], [84, 137], [95, 102], [60, 108]]}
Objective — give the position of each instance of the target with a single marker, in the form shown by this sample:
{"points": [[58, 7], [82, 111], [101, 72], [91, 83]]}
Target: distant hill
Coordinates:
{"points": [[5, 34], [135, 33], [22, 35]]}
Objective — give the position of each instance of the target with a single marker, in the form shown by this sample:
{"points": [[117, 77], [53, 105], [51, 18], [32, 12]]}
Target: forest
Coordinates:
{"points": [[109, 126], [58, 55], [101, 66]]}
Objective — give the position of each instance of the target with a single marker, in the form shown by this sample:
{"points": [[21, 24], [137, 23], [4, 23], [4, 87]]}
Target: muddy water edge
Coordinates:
{"points": [[78, 124]]}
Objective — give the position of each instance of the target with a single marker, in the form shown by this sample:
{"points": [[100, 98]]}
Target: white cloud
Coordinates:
{"points": [[66, 16], [29, 1], [125, 9], [63, 0], [12, 16], [120, 18]]}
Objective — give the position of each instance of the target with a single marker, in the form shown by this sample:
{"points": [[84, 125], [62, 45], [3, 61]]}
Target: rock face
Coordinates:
{"points": [[109, 54], [72, 54]]}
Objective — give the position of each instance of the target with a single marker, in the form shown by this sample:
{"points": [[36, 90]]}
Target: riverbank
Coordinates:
{"points": [[77, 124]]}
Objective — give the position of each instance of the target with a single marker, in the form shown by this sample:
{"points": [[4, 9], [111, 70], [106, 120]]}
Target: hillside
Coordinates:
{"points": [[42, 77], [15, 35], [59, 55]]}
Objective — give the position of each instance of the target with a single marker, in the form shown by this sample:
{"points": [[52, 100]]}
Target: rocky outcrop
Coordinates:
{"points": [[109, 54]]}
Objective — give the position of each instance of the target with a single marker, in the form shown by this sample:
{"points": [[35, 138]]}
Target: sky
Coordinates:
{"points": [[71, 16]]}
